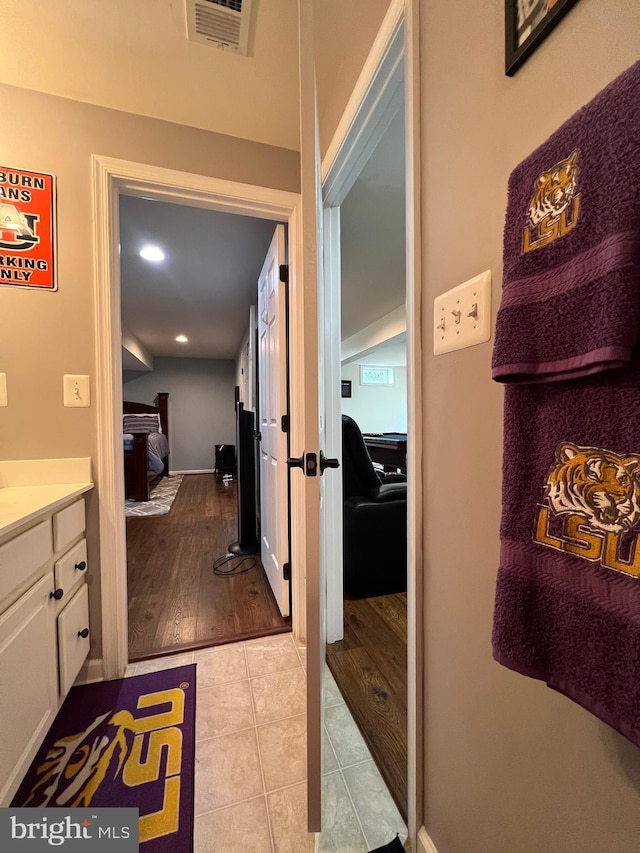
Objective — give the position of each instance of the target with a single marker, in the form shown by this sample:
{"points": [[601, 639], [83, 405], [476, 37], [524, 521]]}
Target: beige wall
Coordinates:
{"points": [[44, 335], [135, 56], [511, 767], [201, 406], [344, 34]]}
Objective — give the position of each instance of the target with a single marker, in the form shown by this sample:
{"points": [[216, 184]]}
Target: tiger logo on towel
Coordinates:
{"points": [[599, 485], [592, 507], [554, 206]]}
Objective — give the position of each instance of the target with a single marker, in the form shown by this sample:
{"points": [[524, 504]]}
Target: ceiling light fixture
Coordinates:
{"points": [[152, 253], [182, 339]]}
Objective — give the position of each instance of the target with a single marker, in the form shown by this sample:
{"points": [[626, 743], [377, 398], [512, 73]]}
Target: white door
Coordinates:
{"points": [[307, 382], [315, 324], [272, 395]]}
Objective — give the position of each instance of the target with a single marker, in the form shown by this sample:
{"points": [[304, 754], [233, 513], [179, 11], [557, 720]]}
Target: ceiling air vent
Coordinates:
{"points": [[223, 23]]}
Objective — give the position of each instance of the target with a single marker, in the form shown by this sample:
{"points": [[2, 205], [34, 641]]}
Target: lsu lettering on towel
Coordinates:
{"points": [[592, 507]]}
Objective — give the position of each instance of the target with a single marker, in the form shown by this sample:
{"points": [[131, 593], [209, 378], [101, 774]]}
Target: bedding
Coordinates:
{"points": [[146, 445], [141, 423], [158, 448]]}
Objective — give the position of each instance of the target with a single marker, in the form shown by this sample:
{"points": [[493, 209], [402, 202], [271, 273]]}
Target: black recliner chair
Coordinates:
{"points": [[375, 521]]}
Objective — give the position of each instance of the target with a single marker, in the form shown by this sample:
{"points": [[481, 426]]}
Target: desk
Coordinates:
{"points": [[389, 449]]}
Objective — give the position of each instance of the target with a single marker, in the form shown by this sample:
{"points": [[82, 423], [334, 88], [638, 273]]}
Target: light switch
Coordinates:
{"points": [[462, 316], [76, 391], [3, 389]]}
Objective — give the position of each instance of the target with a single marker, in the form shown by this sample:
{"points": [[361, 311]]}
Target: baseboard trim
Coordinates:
{"points": [[425, 844], [194, 471], [91, 672]]}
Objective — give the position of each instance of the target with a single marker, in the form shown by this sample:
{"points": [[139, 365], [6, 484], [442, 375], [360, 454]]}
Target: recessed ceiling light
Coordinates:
{"points": [[182, 339], [152, 253]]}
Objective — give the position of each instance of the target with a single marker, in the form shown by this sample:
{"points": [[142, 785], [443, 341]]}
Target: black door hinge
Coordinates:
{"points": [[284, 273], [286, 571], [284, 423]]}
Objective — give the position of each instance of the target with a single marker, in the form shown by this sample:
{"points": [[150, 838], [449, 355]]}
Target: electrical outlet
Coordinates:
{"points": [[462, 316], [3, 389], [76, 391]]}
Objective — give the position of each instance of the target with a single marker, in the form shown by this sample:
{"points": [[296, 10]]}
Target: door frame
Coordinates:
{"points": [[110, 179], [393, 58]]}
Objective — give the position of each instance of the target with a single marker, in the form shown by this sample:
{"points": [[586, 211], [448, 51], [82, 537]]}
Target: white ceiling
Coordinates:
{"points": [[202, 289], [134, 55], [392, 353]]}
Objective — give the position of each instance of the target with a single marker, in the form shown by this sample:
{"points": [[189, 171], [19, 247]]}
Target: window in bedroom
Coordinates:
{"points": [[376, 375]]}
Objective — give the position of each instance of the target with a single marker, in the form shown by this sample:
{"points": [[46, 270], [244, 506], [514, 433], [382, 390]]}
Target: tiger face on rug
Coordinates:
{"points": [[75, 766]]}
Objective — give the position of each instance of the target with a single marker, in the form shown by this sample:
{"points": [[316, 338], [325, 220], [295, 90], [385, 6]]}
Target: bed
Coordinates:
{"points": [[146, 445]]}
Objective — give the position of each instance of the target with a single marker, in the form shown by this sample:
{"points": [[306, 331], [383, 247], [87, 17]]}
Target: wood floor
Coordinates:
{"points": [[370, 668], [175, 600]]}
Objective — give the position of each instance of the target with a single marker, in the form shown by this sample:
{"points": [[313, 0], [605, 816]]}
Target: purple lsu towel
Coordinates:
{"points": [[570, 303], [567, 606]]}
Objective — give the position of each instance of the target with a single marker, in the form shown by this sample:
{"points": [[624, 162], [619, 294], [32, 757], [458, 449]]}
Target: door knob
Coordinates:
{"points": [[81, 566], [84, 633], [308, 462], [57, 594], [328, 462]]}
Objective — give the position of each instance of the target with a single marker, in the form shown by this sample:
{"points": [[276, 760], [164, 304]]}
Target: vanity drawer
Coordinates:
{"points": [[21, 561], [71, 568], [68, 524], [73, 647]]}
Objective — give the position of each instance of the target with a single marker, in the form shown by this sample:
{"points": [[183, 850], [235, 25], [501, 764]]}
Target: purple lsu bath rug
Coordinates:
{"points": [[127, 743]]}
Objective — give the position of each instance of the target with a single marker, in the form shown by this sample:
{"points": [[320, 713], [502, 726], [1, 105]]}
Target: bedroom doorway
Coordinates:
{"points": [[186, 333], [112, 180]]}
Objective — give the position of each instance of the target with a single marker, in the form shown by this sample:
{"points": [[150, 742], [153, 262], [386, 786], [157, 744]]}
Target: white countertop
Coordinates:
{"points": [[31, 487]]}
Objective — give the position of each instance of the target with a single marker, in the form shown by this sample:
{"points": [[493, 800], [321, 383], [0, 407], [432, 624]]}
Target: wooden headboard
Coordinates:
{"points": [[161, 408]]}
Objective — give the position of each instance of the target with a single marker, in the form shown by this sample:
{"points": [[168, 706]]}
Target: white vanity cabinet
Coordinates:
{"points": [[44, 626], [29, 669]]}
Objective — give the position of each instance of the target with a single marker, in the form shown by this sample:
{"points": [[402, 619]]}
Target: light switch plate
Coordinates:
{"points": [[3, 389], [462, 316], [76, 391]]}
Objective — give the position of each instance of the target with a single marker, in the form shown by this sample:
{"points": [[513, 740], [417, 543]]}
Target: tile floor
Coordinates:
{"points": [[250, 776]]}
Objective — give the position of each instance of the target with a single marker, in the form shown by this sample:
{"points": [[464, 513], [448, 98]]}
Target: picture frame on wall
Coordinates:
{"points": [[527, 24], [345, 386]]}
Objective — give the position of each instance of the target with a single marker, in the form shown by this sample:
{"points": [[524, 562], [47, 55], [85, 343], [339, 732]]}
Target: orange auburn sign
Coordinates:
{"points": [[27, 229]]}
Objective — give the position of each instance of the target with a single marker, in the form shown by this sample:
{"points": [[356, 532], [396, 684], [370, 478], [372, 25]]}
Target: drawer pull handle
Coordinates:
{"points": [[84, 633], [57, 594], [81, 566]]}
